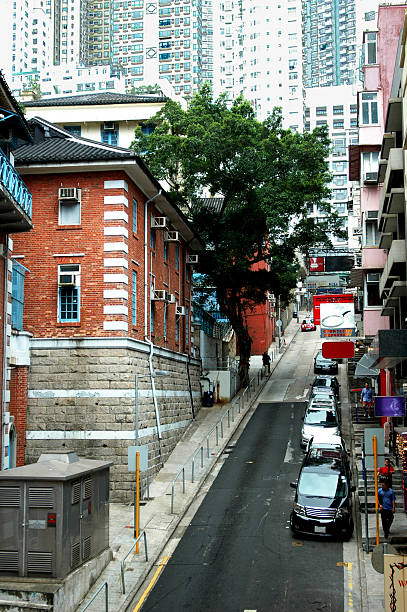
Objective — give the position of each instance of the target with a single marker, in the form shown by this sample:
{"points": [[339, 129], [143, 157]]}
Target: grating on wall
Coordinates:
{"points": [[41, 497], [39, 562], [8, 560], [87, 548], [10, 496], [76, 491]]}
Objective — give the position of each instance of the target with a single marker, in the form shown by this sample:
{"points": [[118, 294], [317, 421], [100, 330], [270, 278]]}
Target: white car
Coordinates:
{"points": [[321, 418]]}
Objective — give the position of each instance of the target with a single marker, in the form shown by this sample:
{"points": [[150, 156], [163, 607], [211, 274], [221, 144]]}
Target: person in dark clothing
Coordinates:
{"points": [[387, 506], [266, 361]]}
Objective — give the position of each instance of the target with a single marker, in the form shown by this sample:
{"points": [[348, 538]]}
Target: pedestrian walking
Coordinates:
{"points": [[386, 472], [387, 506], [366, 397], [266, 361]]}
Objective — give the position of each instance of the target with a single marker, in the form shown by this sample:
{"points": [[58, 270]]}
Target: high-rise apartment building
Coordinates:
{"points": [[142, 42], [259, 55], [329, 39]]}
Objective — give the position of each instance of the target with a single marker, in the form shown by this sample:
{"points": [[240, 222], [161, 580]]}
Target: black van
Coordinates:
{"points": [[323, 498]]}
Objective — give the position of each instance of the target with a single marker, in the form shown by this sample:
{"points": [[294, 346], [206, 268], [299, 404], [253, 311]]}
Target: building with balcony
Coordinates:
{"points": [[15, 219], [374, 162], [107, 295]]}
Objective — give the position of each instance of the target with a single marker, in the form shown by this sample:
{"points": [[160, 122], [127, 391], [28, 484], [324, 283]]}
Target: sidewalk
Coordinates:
{"points": [[155, 517]]}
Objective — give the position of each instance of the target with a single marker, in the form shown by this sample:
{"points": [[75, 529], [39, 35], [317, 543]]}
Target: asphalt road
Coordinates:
{"points": [[238, 553]]}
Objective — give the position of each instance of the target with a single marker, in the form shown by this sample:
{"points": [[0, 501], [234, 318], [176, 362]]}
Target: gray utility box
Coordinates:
{"points": [[54, 515]]}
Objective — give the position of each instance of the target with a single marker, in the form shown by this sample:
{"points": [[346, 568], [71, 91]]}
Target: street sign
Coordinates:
{"points": [[390, 405], [368, 436], [143, 458], [344, 298], [338, 350], [395, 581]]}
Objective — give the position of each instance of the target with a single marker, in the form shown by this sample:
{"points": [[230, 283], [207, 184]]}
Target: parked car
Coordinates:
{"points": [[323, 393], [327, 382], [308, 325], [319, 418], [321, 364], [327, 403], [323, 495]]}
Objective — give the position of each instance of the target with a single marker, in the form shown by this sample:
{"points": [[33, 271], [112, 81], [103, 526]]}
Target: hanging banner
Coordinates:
{"points": [[337, 320], [344, 298], [316, 264]]}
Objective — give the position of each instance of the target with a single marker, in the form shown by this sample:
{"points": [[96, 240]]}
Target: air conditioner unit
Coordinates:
{"points": [[370, 177], [373, 277], [109, 126], [171, 298], [357, 231], [159, 295], [372, 214], [192, 259], [180, 311], [159, 222], [68, 280], [171, 237], [69, 193]]}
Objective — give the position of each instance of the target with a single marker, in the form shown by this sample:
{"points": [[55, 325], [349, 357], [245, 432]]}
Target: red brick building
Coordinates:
{"points": [[107, 295]]}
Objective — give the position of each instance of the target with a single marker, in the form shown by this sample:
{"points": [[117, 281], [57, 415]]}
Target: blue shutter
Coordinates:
{"points": [[17, 296]]}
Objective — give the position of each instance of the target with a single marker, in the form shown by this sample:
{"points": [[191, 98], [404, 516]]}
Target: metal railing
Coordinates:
{"points": [[237, 406], [142, 535], [14, 185], [102, 586]]}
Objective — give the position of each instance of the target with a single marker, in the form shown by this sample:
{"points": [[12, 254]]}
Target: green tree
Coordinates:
{"points": [[268, 178]]}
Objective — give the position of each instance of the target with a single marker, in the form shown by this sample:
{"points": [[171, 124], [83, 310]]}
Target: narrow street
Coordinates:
{"points": [[238, 552]]}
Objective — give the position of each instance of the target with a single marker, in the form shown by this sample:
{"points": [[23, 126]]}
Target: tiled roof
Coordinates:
{"points": [[214, 204], [52, 144], [98, 98]]}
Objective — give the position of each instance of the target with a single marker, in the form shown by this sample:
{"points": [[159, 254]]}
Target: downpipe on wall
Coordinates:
{"points": [[146, 334]]}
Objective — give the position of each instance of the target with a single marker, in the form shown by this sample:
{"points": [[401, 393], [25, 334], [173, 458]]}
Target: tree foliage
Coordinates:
{"points": [[268, 177]]}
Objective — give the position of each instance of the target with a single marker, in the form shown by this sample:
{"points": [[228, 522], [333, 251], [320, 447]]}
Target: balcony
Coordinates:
{"points": [[394, 267], [394, 176], [15, 200], [394, 115], [391, 203], [389, 142]]}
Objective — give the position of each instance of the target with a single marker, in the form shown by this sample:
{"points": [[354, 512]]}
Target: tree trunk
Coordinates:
{"points": [[232, 307]]}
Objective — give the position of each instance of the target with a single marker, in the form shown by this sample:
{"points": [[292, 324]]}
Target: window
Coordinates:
{"points": [[339, 179], [371, 233], [339, 166], [134, 294], [186, 325], [370, 163], [338, 124], [68, 292], [152, 238], [70, 210], [165, 318], [372, 295], [176, 329], [339, 147], [110, 133], [17, 295], [165, 250], [371, 47], [177, 256], [75, 130], [339, 194], [134, 216], [369, 108], [320, 111], [338, 110]]}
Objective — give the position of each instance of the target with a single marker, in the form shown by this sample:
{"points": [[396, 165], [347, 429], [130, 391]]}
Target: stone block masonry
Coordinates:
{"points": [[81, 397]]}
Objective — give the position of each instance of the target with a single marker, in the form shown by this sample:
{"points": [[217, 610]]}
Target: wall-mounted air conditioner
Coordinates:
{"points": [[192, 259], [372, 214], [159, 295], [373, 277], [180, 311], [171, 298], [159, 222], [357, 231], [171, 236], [370, 177], [69, 193], [109, 126], [69, 280]]}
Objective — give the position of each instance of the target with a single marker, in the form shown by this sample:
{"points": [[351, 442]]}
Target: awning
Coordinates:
{"points": [[363, 366], [389, 348]]}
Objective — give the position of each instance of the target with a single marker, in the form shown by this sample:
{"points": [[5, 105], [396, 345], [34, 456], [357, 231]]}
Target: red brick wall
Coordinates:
{"points": [[18, 407], [43, 246]]}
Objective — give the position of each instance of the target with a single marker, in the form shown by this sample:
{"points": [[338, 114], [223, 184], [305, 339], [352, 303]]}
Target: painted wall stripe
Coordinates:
{"points": [[121, 393], [102, 434]]}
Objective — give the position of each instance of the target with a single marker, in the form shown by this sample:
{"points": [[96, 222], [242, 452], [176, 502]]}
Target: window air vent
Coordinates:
{"points": [[8, 561], [39, 562], [10, 496], [40, 497], [87, 548], [76, 492], [75, 554], [87, 488]]}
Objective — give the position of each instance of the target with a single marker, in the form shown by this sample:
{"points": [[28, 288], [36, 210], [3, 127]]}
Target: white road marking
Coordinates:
{"points": [[304, 393], [289, 453]]}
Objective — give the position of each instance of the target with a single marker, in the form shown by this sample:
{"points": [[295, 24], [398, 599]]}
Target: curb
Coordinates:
{"points": [[125, 606]]}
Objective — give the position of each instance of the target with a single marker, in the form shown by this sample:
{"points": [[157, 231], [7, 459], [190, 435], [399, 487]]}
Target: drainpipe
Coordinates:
{"points": [[3, 365], [146, 335]]}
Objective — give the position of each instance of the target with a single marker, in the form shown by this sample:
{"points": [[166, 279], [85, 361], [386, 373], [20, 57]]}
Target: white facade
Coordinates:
{"points": [[30, 35], [336, 107], [259, 54]]}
